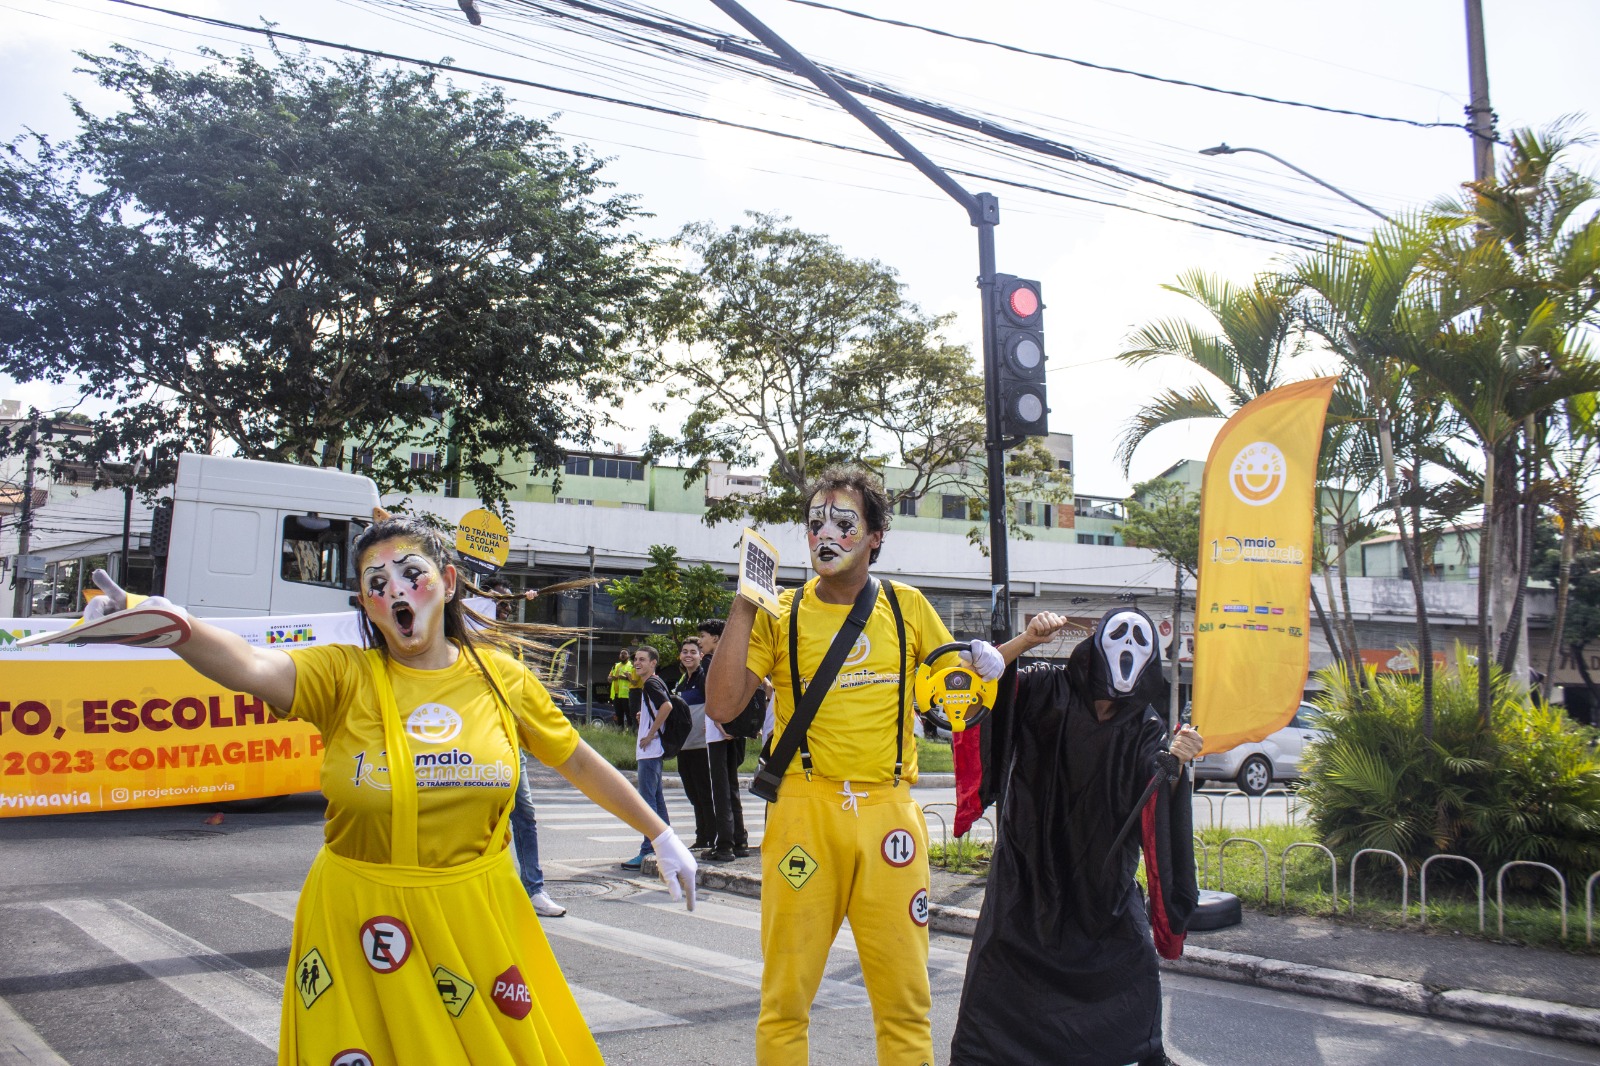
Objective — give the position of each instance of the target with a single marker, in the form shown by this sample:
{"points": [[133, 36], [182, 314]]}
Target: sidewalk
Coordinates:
{"points": [[1531, 990]]}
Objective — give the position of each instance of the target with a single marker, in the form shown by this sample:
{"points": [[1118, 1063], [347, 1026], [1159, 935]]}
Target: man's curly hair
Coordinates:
{"points": [[874, 501]]}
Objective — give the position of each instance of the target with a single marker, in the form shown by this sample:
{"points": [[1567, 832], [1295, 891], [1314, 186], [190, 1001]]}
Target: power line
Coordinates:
{"points": [[1124, 70], [1018, 139]]}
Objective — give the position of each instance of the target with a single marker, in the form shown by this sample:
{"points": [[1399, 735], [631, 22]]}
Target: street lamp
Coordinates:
{"points": [[1226, 149]]}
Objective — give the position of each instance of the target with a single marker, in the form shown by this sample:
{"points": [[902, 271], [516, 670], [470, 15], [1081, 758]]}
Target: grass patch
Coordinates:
{"points": [[962, 856], [1533, 915]]}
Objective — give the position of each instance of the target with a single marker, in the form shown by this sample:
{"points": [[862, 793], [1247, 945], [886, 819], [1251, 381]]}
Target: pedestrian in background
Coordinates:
{"points": [[694, 761], [622, 678], [656, 704], [725, 754]]}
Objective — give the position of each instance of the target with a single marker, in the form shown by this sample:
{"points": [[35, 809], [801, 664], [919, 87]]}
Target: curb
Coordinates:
{"points": [[1492, 1009]]}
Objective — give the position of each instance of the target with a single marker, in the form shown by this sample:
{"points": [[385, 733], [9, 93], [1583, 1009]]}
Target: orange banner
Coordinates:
{"points": [[89, 729], [1257, 509]]}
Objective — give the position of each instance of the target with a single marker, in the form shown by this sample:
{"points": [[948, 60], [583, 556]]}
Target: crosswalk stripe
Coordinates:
{"points": [[20, 1045], [942, 959], [280, 903], [228, 989], [833, 995], [608, 1014]]}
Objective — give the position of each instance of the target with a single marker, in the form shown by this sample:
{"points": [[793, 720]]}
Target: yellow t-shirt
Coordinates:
{"points": [[853, 735], [466, 767]]}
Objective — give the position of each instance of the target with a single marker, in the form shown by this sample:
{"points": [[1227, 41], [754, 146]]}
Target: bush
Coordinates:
{"points": [[1527, 788]]}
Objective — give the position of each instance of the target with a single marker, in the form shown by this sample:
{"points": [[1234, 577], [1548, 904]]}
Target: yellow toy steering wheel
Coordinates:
{"points": [[953, 697]]}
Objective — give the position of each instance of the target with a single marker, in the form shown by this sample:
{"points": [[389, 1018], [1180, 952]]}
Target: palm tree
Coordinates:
{"points": [[1497, 373], [1256, 333], [1530, 237], [1356, 302]]}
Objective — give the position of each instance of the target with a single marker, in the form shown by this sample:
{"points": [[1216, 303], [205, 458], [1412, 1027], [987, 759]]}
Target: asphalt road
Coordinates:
{"points": [[150, 939]]}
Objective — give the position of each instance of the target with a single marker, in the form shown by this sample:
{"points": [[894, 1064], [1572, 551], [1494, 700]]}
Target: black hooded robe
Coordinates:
{"points": [[1063, 969]]}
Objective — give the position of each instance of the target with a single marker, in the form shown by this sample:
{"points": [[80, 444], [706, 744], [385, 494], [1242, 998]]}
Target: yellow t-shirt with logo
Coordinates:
{"points": [[853, 735], [466, 766]]}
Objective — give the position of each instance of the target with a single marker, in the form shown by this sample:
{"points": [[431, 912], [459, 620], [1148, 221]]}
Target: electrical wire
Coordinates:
{"points": [[1238, 227], [1124, 70]]}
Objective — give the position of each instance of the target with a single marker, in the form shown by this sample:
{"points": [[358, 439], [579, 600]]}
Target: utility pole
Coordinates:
{"points": [[983, 211], [1173, 702], [588, 703], [1480, 116], [22, 602]]}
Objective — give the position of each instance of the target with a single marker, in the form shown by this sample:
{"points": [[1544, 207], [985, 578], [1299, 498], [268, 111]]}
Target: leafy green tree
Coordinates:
{"points": [[792, 355], [668, 594], [1164, 516], [311, 261]]}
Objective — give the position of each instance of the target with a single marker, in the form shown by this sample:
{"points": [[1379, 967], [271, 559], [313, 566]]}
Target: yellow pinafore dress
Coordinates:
{"points": [[396, 964]]}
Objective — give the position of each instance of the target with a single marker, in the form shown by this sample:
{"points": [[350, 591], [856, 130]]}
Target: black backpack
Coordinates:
{"points": [[747, 725], [675, 730]]}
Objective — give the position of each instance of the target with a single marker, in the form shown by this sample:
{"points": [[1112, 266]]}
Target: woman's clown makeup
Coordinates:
{"points": [[836, 533], [404, 593]]}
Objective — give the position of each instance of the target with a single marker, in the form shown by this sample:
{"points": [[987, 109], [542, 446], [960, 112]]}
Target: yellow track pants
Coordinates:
{"points": [[834, 850]]}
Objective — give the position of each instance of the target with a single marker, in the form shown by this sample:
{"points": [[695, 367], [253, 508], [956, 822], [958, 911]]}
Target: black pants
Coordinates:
{"points": [[726, 755], [694, 766], [628, 710]]}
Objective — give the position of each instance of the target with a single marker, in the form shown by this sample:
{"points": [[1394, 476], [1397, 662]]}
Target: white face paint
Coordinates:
{"points": [[836, 534], [1128, 644], [404, 594]]}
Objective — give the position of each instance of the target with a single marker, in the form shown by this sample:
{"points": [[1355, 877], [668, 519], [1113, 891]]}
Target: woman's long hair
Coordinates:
{"points": [[528, 642]]}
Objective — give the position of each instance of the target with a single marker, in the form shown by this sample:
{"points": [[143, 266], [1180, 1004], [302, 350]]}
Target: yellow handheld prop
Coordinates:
{"points": [[953, 697]]}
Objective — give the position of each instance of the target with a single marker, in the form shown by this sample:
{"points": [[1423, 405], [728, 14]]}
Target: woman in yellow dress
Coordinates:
{"points": [[414, 942]]}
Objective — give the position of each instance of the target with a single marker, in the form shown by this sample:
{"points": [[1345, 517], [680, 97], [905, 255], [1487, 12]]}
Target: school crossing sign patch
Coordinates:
{"points": [[311, 977], [797, 867]]}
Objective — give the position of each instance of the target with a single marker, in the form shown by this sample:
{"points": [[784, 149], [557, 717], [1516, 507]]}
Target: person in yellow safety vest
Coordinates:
{"points": [[843, 838], [414, 943], [624, 679]]}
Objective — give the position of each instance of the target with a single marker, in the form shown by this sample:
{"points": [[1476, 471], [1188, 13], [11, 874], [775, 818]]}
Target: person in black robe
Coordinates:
{"points": [[1063, 968]]}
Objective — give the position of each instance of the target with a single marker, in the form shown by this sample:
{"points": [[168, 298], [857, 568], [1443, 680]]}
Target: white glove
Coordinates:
{"points": [[676, 864], [115, 599], [986, 659]]}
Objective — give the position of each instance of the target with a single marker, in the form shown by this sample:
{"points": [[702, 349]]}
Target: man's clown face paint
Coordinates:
{"points": [[837, 534], [404, 593]]}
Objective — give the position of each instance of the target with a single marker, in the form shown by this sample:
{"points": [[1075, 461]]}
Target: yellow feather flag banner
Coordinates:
{"points": [[1252, 642]]}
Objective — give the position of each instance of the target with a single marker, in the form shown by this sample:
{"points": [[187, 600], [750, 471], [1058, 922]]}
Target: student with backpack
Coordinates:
{"points": [[658, 731]]}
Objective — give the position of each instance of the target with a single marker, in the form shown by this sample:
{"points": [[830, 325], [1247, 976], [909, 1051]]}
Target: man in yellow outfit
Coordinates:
{"points": [[844, 838]]}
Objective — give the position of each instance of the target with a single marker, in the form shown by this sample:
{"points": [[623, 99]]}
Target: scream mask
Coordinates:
{"points": [[1124, 659]]}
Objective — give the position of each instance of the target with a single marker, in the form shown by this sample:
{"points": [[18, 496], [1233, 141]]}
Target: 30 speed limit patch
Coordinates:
{"points": [[919, 907]]}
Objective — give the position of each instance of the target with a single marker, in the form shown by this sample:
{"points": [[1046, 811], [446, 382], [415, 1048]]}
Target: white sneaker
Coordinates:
{"points": [[546, 907]]}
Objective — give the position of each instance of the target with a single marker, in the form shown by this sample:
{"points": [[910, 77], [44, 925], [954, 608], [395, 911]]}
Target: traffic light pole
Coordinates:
{"points": [[983, 210]]}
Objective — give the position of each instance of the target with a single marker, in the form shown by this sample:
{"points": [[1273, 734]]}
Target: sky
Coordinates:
{"points": [[1101, 265]]}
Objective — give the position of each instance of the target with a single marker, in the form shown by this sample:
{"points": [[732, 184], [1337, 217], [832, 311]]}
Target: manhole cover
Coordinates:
{"points": [[187, 834], [577, 889]]}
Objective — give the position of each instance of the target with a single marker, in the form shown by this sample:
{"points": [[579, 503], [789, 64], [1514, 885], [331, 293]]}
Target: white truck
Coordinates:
{"points": [[236, 537]]}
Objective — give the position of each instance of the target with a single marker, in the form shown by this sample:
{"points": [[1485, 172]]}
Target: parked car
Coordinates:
{"points": [[1255, 766], [571, 704]]}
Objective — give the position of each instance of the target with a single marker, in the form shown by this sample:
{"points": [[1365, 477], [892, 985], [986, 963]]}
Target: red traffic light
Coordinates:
{"points": [[1023, 300]]}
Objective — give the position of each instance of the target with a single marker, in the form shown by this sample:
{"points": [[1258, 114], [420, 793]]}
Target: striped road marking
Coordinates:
{"points": [[943, 960], [228, 989], [833, 995], [20, 1045]]}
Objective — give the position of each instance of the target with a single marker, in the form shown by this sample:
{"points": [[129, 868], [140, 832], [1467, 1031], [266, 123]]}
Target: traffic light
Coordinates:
{"points": [[1019, 351]]}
